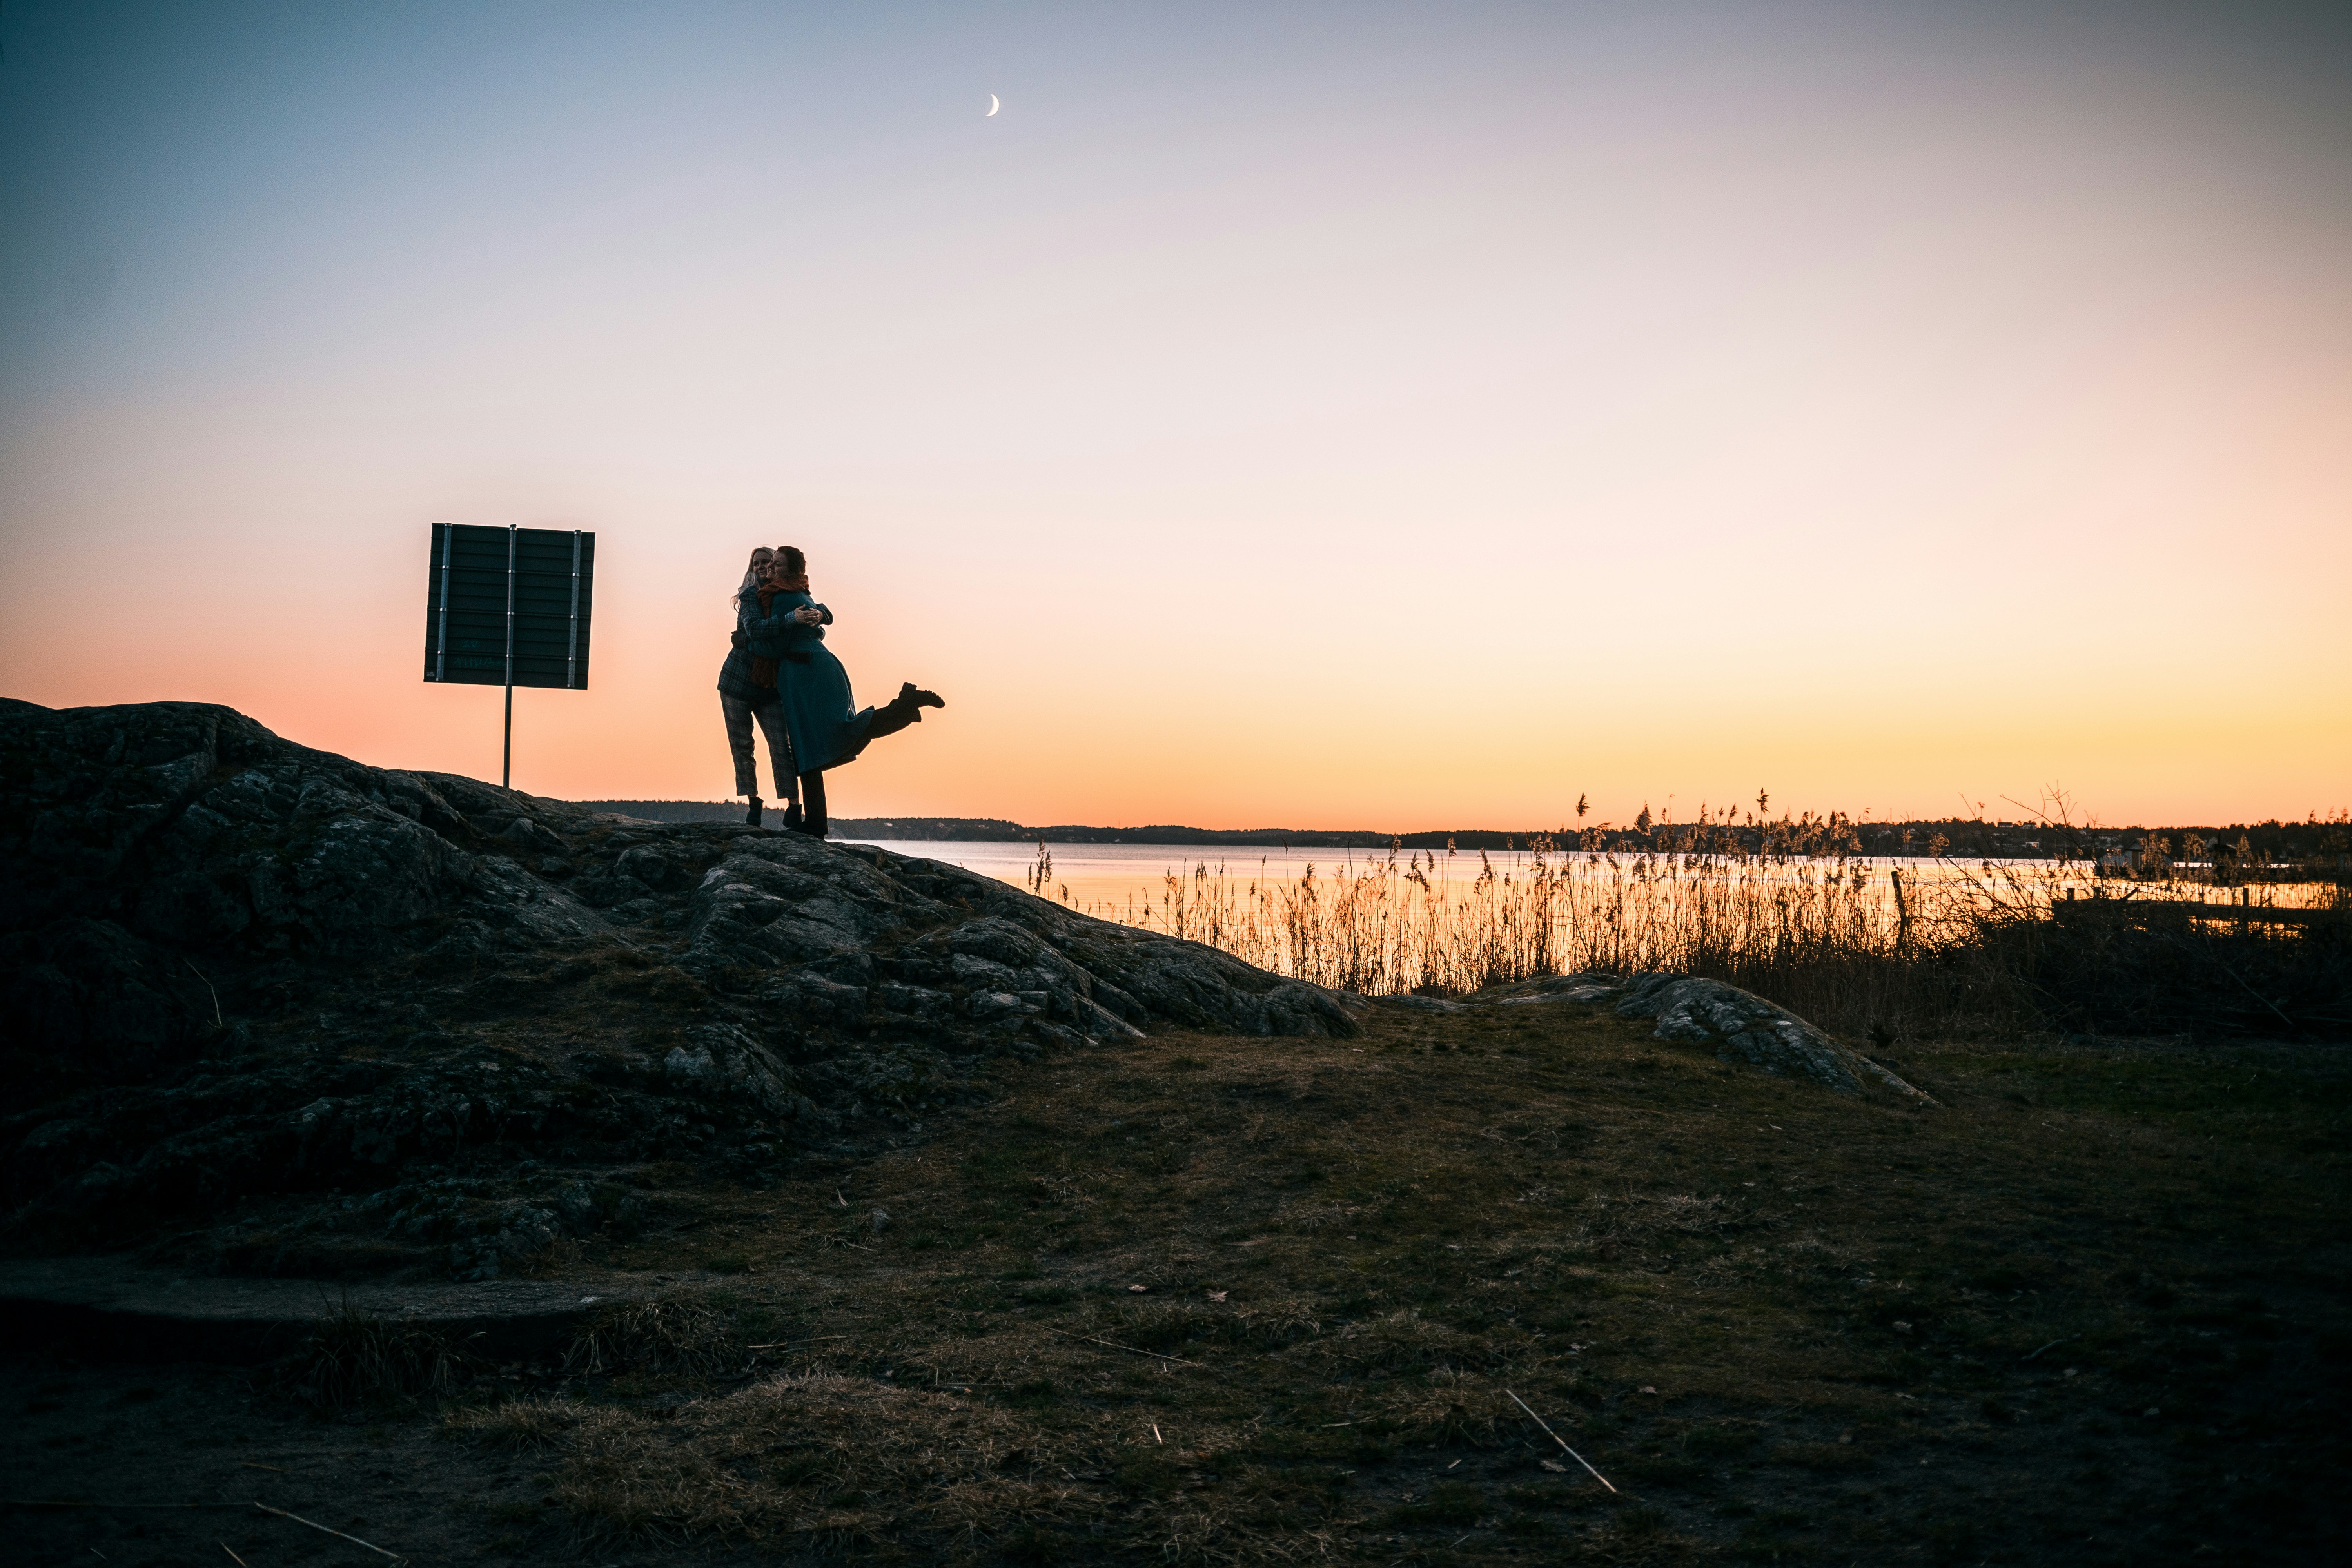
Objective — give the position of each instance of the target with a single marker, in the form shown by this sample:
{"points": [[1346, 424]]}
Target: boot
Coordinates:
{"points": [[901, 710], [753, 817], [792, 814], [812, 815]]}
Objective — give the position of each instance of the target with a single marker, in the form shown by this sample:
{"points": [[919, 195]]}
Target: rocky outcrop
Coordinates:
{"points": [[1743, 1027], [1740, 1025], [234, 970]]}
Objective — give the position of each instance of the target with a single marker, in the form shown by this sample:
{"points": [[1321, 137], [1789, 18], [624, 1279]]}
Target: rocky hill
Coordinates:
{"points": [[274, 1010]]}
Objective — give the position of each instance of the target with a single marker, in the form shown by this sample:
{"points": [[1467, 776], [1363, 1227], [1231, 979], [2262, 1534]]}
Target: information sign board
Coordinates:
{"points": [[509, 606]]}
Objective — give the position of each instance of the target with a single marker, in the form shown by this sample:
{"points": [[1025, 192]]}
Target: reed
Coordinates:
{"points": [[1876, 948]]}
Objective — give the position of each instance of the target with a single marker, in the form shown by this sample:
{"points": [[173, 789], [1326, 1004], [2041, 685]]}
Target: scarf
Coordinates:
{"points": [[769, 590], [763, 671]]}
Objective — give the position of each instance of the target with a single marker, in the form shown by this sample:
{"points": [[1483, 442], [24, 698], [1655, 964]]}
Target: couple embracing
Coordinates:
{"points": [[781, 674]]}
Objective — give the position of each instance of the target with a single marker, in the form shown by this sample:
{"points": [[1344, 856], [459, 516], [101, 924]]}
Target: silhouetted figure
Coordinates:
{"points": [[747, 690], [827, 727]]}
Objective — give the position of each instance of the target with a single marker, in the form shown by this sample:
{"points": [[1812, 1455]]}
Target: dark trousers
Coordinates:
{"points": [[887, 720]]}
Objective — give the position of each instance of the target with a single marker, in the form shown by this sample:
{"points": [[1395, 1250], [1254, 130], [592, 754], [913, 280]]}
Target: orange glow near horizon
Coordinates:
{"points": [[1456, 420]]}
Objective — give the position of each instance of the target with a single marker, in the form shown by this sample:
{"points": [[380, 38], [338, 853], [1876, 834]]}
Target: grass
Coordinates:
{"points": [[527, 1423], [2092, 1310], [354, 1357], [1797, 915], [695, 1335]]}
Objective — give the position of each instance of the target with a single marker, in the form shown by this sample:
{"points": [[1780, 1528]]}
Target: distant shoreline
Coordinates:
{"points": [[1964, 837]]}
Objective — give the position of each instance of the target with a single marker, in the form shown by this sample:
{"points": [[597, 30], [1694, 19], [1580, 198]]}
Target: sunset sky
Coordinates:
{"points": [[1324, 416]]}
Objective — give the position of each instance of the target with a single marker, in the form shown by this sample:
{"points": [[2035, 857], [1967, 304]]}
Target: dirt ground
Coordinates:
{"points": [[1200, 1298]]}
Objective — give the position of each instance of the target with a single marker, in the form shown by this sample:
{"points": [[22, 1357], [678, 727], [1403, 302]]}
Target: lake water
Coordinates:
{"points": [[1116, 880], [1119, 882]]}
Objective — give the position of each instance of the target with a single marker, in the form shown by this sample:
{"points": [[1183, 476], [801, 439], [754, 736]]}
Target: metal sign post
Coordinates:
{"points": [[506, 754], [509, 606]]}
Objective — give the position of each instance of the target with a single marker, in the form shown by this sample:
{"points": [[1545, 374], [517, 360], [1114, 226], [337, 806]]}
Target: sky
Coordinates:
{"points": [[1355, 415]]}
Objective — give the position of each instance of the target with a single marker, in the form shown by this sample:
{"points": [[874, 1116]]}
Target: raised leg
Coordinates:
{"points": [[903, 709]]}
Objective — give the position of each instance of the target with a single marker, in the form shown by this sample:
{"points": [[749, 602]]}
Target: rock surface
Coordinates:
{"points": [[1743, 1027], [1740, 1025], [329, 1016]]}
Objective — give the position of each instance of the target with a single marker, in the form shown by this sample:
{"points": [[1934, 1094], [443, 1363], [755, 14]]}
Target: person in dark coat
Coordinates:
{"points": [[826, 726], [743, 698]]}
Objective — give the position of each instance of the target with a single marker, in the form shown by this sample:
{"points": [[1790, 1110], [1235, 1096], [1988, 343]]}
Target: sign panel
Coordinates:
{"points": [[509, 606]]}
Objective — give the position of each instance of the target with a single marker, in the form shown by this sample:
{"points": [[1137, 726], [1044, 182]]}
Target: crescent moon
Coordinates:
{"points": [[992, 106]]}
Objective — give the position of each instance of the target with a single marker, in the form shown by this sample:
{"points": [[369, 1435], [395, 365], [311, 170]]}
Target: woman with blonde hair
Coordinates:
{"points": [[744, 696], [827, 727]]}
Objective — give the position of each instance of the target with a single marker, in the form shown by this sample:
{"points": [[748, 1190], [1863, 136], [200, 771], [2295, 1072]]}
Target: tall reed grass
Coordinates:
{"points": [[1871, 947]]}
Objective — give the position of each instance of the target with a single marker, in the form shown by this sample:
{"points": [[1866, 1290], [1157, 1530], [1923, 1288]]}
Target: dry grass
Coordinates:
{"points": [[353, 1357], [824, 1459], [1858, 945], [1790, 1326], [530, 1423], [684, 1334]]}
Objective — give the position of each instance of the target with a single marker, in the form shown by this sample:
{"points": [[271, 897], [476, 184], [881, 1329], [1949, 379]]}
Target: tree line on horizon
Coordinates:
{"points": [[1806, 833]]}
